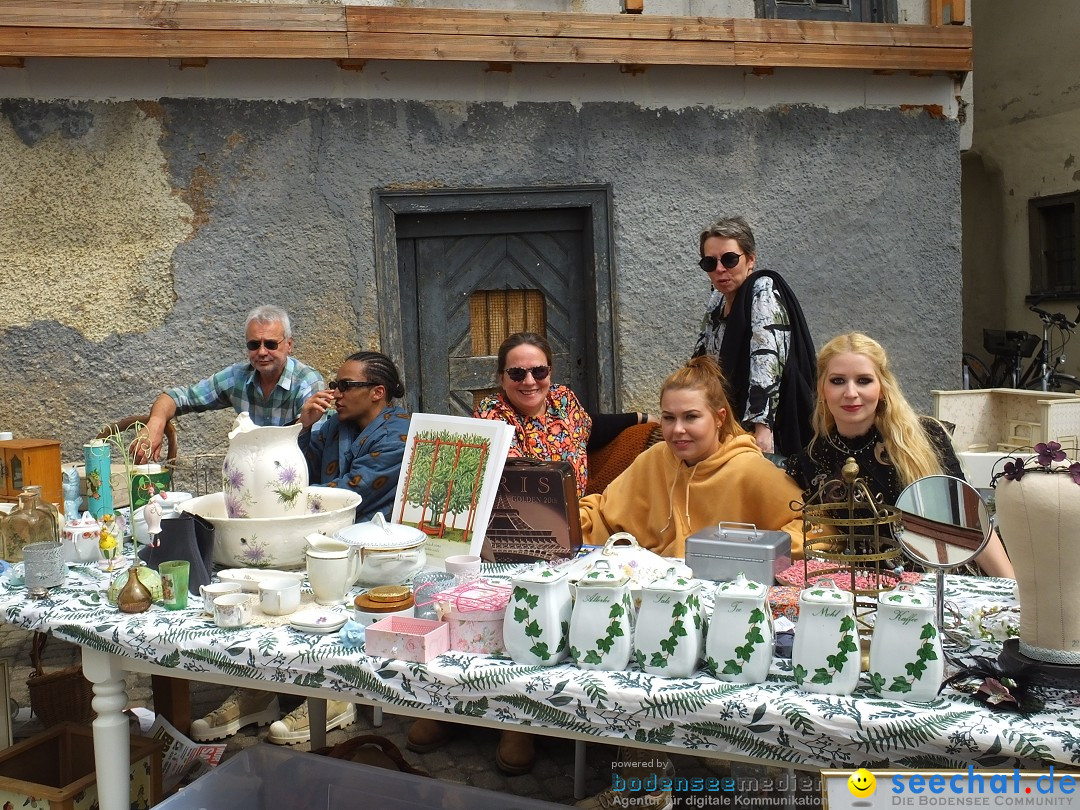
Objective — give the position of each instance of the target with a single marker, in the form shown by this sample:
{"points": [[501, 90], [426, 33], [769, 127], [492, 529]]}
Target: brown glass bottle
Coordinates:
{"points": [[27, 523]]}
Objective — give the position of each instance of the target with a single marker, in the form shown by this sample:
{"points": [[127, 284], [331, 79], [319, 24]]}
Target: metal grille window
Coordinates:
{"points": [[837, 10], [1054, 223]]}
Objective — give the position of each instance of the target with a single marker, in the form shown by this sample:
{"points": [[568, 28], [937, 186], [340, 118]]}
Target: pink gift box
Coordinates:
{"points": [[417, 640]]}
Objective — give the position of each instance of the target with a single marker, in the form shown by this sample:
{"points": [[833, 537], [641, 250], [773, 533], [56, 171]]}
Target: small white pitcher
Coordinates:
{"points": [[332, 568]]}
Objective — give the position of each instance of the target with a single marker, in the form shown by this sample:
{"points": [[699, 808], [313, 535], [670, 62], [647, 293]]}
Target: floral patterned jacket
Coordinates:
{"points": [[559, 434]]}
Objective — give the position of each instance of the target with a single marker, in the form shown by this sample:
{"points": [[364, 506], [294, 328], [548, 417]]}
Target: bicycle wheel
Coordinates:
{"points": [[1066, 383], [975, 374]]}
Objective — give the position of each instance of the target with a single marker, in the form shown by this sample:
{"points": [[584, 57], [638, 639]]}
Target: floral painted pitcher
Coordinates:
{"points": [[265, 473]]}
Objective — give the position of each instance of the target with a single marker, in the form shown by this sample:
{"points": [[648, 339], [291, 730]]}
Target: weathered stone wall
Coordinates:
{"points": [[138, 234]]}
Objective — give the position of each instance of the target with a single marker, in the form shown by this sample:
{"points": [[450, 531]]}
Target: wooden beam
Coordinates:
{"points": [[172, 43], [351, 34], [171, 15]]}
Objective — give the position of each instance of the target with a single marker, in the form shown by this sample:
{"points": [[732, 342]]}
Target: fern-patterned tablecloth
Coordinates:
{"points": [[774, 721]]}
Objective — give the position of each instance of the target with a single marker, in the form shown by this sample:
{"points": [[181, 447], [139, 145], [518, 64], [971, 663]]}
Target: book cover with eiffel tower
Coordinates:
{"points": [[535, 516]]}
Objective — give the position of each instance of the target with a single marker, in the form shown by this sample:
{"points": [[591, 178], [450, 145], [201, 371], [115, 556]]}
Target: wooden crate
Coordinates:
{"points": [[31, 461], [55, 771]]}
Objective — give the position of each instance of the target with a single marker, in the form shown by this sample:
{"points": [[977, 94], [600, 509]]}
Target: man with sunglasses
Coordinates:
{"points": [[755, 329], [271, 385]]}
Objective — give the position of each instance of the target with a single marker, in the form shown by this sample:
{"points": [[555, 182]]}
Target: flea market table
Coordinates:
{"points": [[773, 722]]}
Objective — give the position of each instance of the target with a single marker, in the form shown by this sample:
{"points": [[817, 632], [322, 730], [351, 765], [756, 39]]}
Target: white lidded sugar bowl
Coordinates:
{"points": [[826, 656], [602, 622], [536, 625], [670, 633], [739, 645], [906, 661]]}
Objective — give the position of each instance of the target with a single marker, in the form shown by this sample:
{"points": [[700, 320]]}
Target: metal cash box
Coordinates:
{"points": [[720, 553]]}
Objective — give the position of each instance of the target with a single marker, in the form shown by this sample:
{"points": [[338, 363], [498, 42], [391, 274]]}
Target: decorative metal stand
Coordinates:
{"points": [[850, 536]]}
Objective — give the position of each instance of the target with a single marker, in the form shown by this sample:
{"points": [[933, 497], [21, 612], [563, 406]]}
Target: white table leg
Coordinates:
{"points": [[579, 769], [317, 722], [112, 742]]}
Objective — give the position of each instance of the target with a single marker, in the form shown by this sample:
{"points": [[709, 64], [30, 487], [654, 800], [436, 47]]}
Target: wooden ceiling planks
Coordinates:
{"points": [[117, 28]]}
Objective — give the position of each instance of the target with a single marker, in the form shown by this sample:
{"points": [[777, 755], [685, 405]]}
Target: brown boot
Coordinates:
{"points": [[515, 753], [427, 735]]}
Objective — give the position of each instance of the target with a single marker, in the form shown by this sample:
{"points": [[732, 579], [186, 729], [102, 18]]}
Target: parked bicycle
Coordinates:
{"points": [[1010, 348]]}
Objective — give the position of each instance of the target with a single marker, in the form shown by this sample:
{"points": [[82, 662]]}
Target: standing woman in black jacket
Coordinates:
{"points": [[756, 330]]}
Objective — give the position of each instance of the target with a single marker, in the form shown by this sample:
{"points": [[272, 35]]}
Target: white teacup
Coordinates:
{"points": [[232, 610], [464, 567], [279, 596], [213, 590]]}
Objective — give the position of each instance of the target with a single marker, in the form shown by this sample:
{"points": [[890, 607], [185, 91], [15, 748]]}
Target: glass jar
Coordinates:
{"points": [[28, 522], [49, 508]]}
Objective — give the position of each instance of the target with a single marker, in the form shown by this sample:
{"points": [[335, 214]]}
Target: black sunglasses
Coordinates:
{"points": [[518, 374], [729, 260], [253, 345], [346, 385]]}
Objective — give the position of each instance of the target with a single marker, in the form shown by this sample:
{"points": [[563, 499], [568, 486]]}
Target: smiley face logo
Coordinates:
{"points": [[862, 783]]}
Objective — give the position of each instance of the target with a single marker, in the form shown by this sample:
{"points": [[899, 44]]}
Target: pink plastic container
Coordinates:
{"points": [[474, 612], [417, 640]]}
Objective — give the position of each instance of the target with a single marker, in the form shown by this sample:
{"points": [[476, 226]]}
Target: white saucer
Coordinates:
{"points": [[249, 578], [318, 620]]}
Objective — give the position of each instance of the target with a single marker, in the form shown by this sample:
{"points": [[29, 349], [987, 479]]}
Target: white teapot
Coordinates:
{"points": [[739, 646], [602, 623], [906, 661]]}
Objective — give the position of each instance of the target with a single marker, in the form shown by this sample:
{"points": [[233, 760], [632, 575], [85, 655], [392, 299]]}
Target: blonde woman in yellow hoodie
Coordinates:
{"points": [[707, 470]]}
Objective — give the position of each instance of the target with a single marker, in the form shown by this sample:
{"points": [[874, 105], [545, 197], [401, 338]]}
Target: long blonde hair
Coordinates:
{"points": [[704, 374], [905, 440]]}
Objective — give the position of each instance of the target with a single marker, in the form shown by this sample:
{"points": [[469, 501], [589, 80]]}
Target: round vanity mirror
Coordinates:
{"points": [[945, 522]]}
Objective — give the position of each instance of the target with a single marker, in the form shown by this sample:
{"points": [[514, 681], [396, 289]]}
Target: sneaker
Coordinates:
{"points": [[295, 727], [242, 708], [612, 799]]}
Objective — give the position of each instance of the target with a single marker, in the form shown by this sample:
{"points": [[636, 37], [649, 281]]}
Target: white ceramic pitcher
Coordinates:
{"points": [[739, 646], [905, 651], [264, 473], [332, 568], [670, 631], [536, 625]]}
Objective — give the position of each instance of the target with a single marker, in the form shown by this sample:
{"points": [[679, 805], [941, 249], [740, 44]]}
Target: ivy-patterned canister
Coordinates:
{"points": [[670, 632], [602, 623], [905, 650], [739, 646], [826, 656], [536, 626]]}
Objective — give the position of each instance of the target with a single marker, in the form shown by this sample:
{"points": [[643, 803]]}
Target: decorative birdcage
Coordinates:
{"points": [[850, 538]]}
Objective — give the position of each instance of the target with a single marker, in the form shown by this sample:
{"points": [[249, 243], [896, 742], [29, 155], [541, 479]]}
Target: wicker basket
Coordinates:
{"points": [[61, 695]]}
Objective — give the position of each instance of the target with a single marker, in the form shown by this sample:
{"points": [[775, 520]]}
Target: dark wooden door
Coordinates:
{"points": [[477, 277]]}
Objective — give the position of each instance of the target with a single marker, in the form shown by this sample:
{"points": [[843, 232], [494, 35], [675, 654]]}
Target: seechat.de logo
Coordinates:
{"points": [[862, 783]]}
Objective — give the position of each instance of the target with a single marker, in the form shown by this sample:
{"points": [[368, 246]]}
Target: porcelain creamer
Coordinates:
{"points": [[602, 622], [332, 567], [826, 656], [536, 626], [905, 651], [739, 645], [264, 473], [670, 633]]}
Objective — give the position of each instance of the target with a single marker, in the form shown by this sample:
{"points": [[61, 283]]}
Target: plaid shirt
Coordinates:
{"points": [[237, 387]]}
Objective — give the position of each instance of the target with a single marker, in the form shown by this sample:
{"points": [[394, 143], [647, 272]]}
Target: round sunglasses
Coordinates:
{"points": [[518, 374], [729, 260]]}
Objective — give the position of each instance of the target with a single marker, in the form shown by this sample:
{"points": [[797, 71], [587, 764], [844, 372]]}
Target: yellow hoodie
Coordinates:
{"points": [[661, 501]]}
